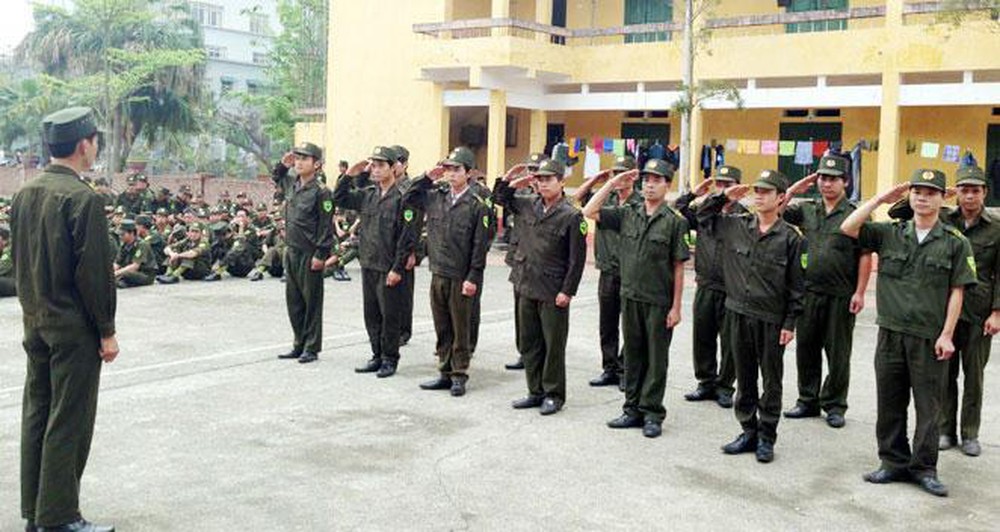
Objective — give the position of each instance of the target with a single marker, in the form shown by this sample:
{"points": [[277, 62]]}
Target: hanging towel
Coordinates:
{"points": [[929, 150], [951, 154], [630, 146], [592, 164], [720, 156], [820, 147], [768, 147], [732, 144], [804, 152], [619, 147], [969, 160], [598, 144], [786, 148], [574, 147], [609, 145], [753, 147]]}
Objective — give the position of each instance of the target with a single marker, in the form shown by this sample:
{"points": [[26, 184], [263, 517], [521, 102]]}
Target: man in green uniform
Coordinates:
{"points": [[980, 318], [715, 376], [387, 240], [835, 283], [146, 230], [190, 258], [652, 251], [403, 181], [8, 288], [477, 182], [132, 201], [272, 261], [457, 225], [135, 264], [606, 244], [554, 237], [308, 240], [924, 269], [763, 262], [67, 293]]}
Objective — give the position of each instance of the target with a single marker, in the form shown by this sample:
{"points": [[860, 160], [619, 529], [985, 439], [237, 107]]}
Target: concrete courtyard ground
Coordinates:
{"points": [[201, 428]]}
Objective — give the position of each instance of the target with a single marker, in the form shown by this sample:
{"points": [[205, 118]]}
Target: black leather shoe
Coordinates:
{"points": [[294, 353], [701, 393], [517, 364], [885, 476], [256, 275], [765, 451], [550, 406], [77, 526], [371, 366], [388, 369], [307, 357], [801, 411], [605, 379], [167, 279], [744, 443], [531, 401], [971, 447], [440, 383], [625, 421], [724, 399], [652, 429], [933, 486], [835, 420], [457, 387]]}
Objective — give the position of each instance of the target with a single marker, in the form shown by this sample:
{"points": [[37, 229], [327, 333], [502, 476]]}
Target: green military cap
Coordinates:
{"points": [[833, 165], [929, 178], [728, 173], [402, 154], [126, 225], [202, 212], [970, 175], [551, 167], [69, 125], [309, 150], [196, 226], [461, 156], [219, 227], [165, 191], [119, 210], [261, 206], [659, 167], [772, 179], [624, 162], [144, 220], [535, 160], [383, 153], [108, 209], [161, 212]]}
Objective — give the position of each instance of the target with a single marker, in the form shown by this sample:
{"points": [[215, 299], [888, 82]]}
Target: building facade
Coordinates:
{"points": [[509, 77], [238, 36]]}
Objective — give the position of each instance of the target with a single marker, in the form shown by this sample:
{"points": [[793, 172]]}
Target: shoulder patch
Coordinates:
{"points": [[804, 260], [408, 215], [328, 206], [954, 231], [486, 221], [972, 265], [584, 228]]}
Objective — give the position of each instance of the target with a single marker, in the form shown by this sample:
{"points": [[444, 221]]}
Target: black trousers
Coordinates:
{"points": [[544, 329], [710, 333], [972, 352], [57, 424], [7, 287], [757, 348], [132, 279], [826, 325], [383, 308], [406, 319], [609, 304], [452, 324], [647, 345], [304, 299]]}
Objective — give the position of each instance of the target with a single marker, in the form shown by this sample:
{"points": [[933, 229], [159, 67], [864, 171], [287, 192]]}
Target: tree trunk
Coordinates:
{"points": [[687, 81]]}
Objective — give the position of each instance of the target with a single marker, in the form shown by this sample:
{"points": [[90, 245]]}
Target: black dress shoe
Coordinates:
{"points": [[701, 393], [371, 366], [531, 401], [550, 406], [765, 451], [167, 279], [724, 399], [517, 364], [744, 443], [652, 429], [77, 526], [932, 485], [294, 353], [307, 357], [835, 420], [605, 379], [801, 411], [625, 421], [388, 369], [886, 476], [440, 383], [457, 387]]}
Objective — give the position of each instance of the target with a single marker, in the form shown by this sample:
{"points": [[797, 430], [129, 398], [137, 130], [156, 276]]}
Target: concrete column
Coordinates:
{"points": [[496, 138], [543, 15], [499, 9], [539, 131], [694, 157]]}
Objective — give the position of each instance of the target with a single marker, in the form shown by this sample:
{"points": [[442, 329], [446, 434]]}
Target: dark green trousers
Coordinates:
{"points": [[543, 334], [133, 279], [476, 319], [304, 300], [826, 325], [647, 344], [972, 352], [7, 287], [609, 308], [406, 317], [757, 348], [905, 364], [383, 307], [60, 404], [272, 262], [452, 314], [709, 334]]}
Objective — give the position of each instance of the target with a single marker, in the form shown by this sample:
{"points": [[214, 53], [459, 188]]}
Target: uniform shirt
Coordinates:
{"points": [[457, 229], [606, 240], [6, 263], [157, 244], [833, 256], [709, 249], [552, 245], [133, 203], [140, 253], [915, 279], [308, 213], [763, 272], [62, 255], [387, 231], [203, 255], [649, 247]]}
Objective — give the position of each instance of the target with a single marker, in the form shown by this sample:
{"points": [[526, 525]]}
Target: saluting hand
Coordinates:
{"points": [[944, 348], [703, 187], [894, 194], [109, 349], [522, 181], [288, 159], [786, 337], [802, 185], [436, 173], [737, 192], [469, 289], [515, 171], [358, 167]]}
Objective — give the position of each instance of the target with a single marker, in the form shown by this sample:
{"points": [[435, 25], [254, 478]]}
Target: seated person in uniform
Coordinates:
{"points": [[7, 287], [190, 258]]}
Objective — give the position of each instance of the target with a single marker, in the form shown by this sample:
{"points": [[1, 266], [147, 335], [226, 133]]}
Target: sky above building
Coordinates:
{"points": [[15, 23]]}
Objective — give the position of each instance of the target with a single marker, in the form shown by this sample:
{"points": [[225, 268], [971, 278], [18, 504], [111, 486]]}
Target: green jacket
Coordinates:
{"points": [[6, 263], [139, 252], [62, 256], [709, 249], [833, 256], [388, 229], [606, 240], [308, 213]]}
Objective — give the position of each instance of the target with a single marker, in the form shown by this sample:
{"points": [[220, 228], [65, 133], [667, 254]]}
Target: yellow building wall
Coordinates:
{"points": [[314, 132], [962, 126]]}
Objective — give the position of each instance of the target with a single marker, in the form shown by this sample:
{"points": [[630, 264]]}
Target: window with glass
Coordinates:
{"points": [[647, 12], [215, 52], [207, 14], [259, 24], [801, 6]]}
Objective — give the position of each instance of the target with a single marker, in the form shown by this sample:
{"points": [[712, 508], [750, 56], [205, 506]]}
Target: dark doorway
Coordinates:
{"points": [[554, 133], [828, 132], [559, 19], [992, 164]]}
